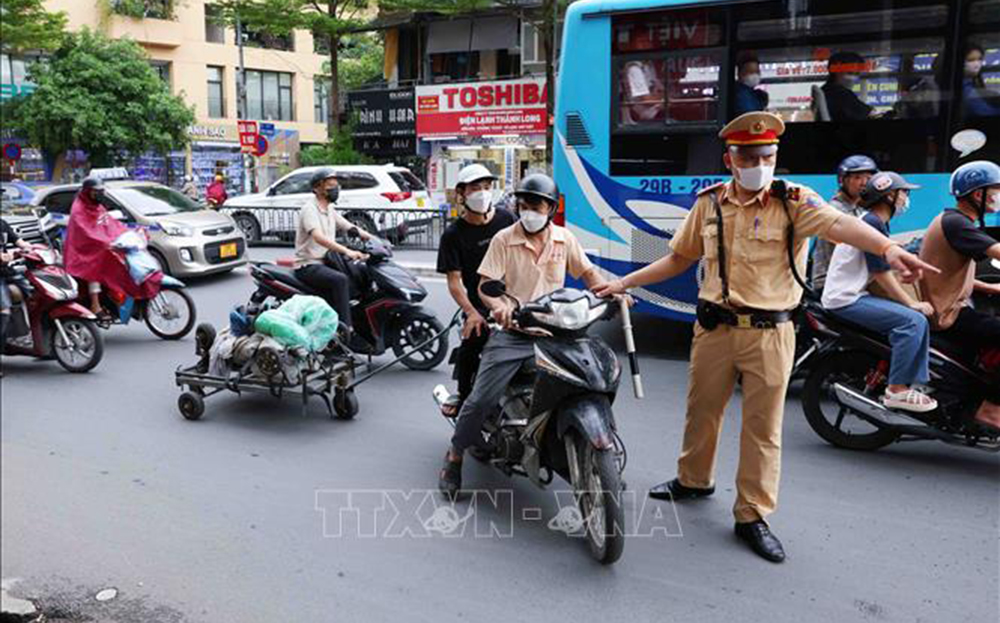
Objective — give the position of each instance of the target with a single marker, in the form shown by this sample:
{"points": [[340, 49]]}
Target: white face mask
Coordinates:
{"points": [[902, 205], [480, 201], [972, 68], [751, 80], [533, 222], [993, 203], [755, 178]]}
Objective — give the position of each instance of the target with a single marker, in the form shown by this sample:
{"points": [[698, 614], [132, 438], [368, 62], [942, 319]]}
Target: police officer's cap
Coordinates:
{"points": [[754, 132]]}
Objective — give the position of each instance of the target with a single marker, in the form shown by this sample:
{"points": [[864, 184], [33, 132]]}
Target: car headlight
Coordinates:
{"points": [[571, 316], [178, 230]]}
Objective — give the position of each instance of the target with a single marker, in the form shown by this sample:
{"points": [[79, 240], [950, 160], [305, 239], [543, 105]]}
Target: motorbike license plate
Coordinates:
{"points": [[228, 250]]}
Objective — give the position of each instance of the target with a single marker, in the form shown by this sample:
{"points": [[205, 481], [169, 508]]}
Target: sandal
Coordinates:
{"points": [[910, 400], [450, 478], [451, 406]]}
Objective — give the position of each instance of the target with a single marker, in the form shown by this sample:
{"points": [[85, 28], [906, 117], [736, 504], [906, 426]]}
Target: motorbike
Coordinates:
{"points": [[556, 415], [849, 373], [46, 321], [170, 315], [385, 305]]}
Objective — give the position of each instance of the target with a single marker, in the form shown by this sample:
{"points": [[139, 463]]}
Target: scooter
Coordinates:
{"points": [[170, 315], [556, 416], [385, 307], [46, 321], [850, 371]]}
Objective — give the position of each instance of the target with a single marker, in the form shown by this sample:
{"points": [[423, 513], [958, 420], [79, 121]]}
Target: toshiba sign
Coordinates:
{"points": [[475, 109]]}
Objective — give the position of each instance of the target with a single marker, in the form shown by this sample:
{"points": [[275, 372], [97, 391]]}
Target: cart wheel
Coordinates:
{"points": [[345, 403], [204, 337], [191, 405]]}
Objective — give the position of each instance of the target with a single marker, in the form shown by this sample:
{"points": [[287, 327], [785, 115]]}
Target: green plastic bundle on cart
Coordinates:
{"points": [[306, 321]]}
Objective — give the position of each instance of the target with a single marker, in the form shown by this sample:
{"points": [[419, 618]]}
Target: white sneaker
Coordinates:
{"points": [[909, 400]]}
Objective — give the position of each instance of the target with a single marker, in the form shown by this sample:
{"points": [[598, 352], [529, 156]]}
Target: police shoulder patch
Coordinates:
{"points": [[712, 187], [794, 193]]}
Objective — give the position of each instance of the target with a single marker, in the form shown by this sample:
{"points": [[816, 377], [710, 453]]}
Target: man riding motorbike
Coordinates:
{"points": [[8, 238], [853, 174], [532, 258], [315, 235], [463, 246], [954, 244], [88, 252]]}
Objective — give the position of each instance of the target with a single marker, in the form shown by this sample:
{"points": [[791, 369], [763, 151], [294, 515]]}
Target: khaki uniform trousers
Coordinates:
{"points": [[764, 357]]}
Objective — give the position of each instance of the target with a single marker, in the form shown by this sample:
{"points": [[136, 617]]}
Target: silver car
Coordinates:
{"points": [[187, 238]]}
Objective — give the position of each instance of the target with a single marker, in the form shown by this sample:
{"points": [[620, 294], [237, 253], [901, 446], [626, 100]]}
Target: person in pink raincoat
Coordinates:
{"points": [[88, 253]]}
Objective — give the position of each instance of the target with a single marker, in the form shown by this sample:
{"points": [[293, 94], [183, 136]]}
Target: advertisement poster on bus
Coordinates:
{"points": [[481, 108]]}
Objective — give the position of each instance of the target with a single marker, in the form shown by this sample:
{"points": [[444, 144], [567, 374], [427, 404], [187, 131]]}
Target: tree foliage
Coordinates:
{"points": [[25, 25], [338, 150], [101, 96]]}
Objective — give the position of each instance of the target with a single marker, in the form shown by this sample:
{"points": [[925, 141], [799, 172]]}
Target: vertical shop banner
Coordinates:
{"points": [[481, 108]]}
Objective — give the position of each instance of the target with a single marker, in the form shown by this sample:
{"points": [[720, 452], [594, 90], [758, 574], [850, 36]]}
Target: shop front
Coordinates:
{"points": [[500, 124]]}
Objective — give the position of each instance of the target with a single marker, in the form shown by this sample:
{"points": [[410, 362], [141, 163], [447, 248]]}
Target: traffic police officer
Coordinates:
{"points": [[748, 231]]}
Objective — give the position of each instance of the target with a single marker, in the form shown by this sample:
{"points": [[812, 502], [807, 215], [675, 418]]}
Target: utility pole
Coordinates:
{"points": [[241, 103]]}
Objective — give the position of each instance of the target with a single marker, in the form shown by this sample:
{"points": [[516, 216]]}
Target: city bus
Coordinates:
{"points": [[645, 85]]}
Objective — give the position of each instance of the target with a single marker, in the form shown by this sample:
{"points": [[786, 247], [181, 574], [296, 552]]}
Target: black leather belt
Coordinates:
{"points": [[711, 315]]}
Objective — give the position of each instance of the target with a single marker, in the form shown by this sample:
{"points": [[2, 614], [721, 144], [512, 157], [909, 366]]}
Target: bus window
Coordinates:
{"points": [[977, 65], [849, 79]]}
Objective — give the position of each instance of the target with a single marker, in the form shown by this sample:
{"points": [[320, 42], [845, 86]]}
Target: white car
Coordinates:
{"points": [[365, 191]]}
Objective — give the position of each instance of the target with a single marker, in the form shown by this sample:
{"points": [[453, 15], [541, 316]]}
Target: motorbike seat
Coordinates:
{"points": [[286, 276]]}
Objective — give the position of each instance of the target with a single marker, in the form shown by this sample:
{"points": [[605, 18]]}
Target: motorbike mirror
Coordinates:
{"points": [[118, 215], [494, 288]]}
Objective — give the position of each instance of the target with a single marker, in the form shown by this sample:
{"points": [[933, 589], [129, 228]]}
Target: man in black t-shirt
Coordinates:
{"points": [[463, 246]]}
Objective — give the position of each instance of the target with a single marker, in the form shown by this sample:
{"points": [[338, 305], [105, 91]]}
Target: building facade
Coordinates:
{"points": [[199, 59]]}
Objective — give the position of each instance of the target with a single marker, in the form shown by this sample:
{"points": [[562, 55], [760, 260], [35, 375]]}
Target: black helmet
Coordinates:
{"points": [[538, 185], [93, 183], [881, 185], [321, 175]]}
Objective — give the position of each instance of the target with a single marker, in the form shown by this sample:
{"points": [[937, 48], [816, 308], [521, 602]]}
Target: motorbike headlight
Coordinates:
{"points": [[571, 316], [178, 230]]}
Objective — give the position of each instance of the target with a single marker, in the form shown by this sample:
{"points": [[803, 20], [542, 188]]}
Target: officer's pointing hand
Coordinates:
{"points": [[609, 288], [910, 267]]}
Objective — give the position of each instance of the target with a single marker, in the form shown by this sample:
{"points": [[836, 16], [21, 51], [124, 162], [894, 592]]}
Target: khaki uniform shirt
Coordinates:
{"points": [[307, 250], [755, 234], [511, 258]]}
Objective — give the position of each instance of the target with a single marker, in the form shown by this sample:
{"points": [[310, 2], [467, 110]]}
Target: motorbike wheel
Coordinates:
{"points": [[86, 346], [827, 416], [599, 497], [171, 314], [418, 329]]}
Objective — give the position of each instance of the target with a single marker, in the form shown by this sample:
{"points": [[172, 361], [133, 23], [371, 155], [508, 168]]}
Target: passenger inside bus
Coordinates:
{"points": [[844, 72], [642, 88], [748, 98], [977, 100]]}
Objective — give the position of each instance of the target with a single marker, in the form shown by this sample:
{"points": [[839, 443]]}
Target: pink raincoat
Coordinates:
{"points": [[88, 254]]}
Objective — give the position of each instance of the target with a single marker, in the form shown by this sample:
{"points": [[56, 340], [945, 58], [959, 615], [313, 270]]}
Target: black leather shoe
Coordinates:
{"points": [[674, 490], [758, 536]]}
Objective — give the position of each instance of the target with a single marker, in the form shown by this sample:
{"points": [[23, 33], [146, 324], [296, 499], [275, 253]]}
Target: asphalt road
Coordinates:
{"points": [[105, 485]]}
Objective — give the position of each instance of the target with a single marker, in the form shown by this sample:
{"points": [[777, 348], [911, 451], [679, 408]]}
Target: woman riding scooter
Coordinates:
{"points": [[88, 252]]}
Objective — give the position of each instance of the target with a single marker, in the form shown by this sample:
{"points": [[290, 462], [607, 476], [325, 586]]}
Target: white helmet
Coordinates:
{"points": [[474, 173]]}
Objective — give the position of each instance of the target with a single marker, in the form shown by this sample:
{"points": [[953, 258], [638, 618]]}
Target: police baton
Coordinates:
{"points": [[633, 359]]}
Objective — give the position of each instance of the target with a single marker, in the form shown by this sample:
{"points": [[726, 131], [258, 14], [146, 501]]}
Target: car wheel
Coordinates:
{"points": [[161, 260], [249, 226]]}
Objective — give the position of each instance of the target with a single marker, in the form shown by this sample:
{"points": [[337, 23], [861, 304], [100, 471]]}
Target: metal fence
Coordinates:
{"points": [[407, 229]]}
